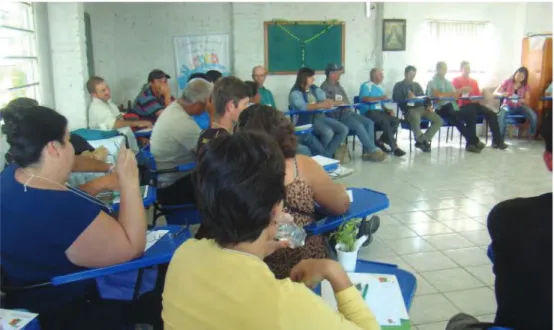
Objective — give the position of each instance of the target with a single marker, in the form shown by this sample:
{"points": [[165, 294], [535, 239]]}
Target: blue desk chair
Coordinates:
{"points": [[512, 119], [183, 214]]}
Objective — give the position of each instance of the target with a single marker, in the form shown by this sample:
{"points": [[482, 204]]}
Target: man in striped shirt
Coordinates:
{"points": [[151, 102]]}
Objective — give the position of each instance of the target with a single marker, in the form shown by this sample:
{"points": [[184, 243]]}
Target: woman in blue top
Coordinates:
{"points": [[51, 229], [307, 97]]}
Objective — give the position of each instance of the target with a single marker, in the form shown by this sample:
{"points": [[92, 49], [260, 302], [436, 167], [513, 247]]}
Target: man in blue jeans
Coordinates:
{"points": [[305, 96], [362, 126]]}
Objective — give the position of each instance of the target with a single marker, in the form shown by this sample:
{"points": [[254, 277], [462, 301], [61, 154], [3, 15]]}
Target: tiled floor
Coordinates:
{"points": [[436, 224]]}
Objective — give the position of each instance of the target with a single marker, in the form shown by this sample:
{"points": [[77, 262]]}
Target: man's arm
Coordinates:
{"points": [[132, 123], [86, 164]]}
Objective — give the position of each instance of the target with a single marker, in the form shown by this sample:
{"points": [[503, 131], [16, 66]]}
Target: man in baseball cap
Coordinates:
{"points": [[155, 97]]}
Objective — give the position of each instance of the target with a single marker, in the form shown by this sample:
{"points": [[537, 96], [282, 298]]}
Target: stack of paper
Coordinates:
{"points": [[12, 320], [152, 236], [382, 295], [324, 161]]}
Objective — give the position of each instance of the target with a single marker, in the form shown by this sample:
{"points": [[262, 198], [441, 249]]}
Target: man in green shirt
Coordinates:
{"points": [[439, 88], [258, 74]]}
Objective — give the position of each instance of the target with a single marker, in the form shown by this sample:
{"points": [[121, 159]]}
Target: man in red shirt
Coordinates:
{"points": [[474, 106]]}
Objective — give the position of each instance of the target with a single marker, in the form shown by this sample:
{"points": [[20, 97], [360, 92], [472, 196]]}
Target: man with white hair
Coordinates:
{"points": [[174, 138], [259, 73]]}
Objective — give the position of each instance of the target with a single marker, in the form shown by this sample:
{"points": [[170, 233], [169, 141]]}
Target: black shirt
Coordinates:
{"points": [[521, 232], [207, 135]]}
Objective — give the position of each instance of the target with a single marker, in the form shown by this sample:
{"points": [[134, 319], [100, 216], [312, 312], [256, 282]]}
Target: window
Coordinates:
{"points": [[457, 41], [18, 53]]}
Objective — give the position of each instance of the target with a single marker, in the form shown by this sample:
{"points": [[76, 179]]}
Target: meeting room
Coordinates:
{"points": [[276, 165]]}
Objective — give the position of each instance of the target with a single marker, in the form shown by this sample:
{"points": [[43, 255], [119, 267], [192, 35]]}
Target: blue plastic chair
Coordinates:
{"points": [[182, 214]]}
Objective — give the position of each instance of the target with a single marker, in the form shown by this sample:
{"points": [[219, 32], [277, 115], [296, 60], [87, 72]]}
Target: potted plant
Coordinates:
{"points": [[347, 244]]}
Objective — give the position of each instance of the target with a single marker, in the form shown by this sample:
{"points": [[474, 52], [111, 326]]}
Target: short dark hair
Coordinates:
{"points": [[92, 83], [29, 129], [409, 68], [214, 75], [273, 122], [546, 131], [22, 102], [525, 72], [253, 88], [228, 89], [302, 76], [464, 63], [199, 75], [239, 179]]}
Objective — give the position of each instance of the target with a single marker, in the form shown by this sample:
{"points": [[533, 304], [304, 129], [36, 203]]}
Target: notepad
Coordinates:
{"points": [[383, 297], [303, 127], [12, 320], [152, 236], [324, 161]]}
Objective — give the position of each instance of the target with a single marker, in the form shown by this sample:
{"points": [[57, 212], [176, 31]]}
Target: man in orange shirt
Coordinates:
{"points": [[473, 105]]}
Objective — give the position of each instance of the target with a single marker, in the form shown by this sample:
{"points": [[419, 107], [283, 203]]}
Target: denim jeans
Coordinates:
{"points": [[331, 134], [523, 109], [309, 145], [363, 127]]}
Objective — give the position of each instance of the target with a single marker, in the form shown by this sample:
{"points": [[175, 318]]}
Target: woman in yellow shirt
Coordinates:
{"points": [[223, 283]]}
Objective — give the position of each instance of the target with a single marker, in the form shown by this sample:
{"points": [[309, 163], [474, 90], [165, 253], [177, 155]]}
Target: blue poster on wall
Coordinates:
{"points": [[195, 54]]}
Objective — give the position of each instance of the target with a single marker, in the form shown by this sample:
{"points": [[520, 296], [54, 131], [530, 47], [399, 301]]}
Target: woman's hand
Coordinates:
{"points": [[126, 168], [313, 271]]}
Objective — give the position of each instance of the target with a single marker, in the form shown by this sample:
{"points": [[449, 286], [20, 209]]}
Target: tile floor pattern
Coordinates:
{"points": [[435, 226]]}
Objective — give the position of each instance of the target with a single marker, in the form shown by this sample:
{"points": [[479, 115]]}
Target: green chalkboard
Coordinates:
{"points": [[292, 45]]}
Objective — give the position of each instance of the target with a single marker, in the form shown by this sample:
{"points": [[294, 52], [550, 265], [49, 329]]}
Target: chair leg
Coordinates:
{"points": [[486, 123], [439, 145]]}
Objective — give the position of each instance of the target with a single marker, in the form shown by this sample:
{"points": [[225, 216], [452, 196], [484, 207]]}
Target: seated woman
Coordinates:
{"points": [[241, 188], [50, 229], [306, 96], [516, 86], [306, 183]]}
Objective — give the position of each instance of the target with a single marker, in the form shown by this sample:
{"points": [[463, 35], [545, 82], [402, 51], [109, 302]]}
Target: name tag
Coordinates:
{"points": [[411, 104], [378, 106], [465, 94], [338, 97], [515, 96]]}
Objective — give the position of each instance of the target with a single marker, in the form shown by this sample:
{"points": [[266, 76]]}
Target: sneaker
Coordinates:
{"points": [[501, 146], [424, 146], [368, 228], [343, 154], [399, 152], [473, 148], [376, 156], [383, 147], [481, 145]]}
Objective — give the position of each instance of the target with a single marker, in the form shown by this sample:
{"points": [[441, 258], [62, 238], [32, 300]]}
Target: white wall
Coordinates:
{"points": [[538, 17], [507, 19], [46, 87], [131, 39]]}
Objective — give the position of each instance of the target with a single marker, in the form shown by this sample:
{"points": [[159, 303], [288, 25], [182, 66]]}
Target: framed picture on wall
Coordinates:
{"points": [[394, 34]]}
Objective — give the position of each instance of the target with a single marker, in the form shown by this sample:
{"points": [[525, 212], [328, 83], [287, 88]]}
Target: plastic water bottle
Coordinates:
{"points": [[289, 231]]}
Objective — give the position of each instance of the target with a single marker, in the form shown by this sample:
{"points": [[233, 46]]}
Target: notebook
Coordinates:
{"points": [[111, 198], [383, 296], [152, 236], [12, 320]]}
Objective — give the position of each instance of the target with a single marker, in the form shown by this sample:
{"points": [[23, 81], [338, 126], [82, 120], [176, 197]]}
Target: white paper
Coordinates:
{"points": [[378, 106], [12, 320], [465, 94], [411, 104], [338, 97], [144, 130], [324, 161], [384, 297], [303, 127], [536, 42], [350, 196], [152, 236]]}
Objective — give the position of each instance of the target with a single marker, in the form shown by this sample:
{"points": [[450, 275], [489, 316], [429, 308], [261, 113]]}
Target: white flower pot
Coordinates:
{"points": [[348, 259]]}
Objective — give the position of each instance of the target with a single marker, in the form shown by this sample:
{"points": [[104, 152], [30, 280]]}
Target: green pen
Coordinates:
{"points": [[364, 293]]}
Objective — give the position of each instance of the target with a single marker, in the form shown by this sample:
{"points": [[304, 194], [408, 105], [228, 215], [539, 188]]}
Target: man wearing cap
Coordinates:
{"points": [[151, 102], [259, 73], [372, 91], [362, 126]]}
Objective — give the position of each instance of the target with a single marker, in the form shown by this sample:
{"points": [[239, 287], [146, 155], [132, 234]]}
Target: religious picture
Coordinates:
{"points": [[394, 34]]}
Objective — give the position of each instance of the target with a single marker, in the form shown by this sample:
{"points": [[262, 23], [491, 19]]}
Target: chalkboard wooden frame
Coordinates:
{"points": [[266, 43]]}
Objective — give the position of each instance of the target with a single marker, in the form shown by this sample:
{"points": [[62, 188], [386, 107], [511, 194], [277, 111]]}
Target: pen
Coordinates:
{"points": [[180, 231], [364, 294]]}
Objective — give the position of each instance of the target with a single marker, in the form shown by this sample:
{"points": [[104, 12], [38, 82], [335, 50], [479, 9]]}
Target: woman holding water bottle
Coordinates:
{"points": [[223, 283]]}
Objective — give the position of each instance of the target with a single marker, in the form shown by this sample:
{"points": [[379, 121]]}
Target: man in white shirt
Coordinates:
{"points": [[174, 139], [104, 114]]}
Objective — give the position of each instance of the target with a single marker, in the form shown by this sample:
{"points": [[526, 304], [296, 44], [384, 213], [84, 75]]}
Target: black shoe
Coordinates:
{"points": [[383, 147], [473, 148], [480, 145], [501, 146], [399, 152], [424, 146], [368, 228], [427, 146]]}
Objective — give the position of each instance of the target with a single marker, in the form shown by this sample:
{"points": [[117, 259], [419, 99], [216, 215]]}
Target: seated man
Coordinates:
{"points": [[173, 141], [362, 126], [104, 114], [465, 121], [259, 74], [371, 91], [522, 259], [153, 99], [409, 89], [475, 106]]}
